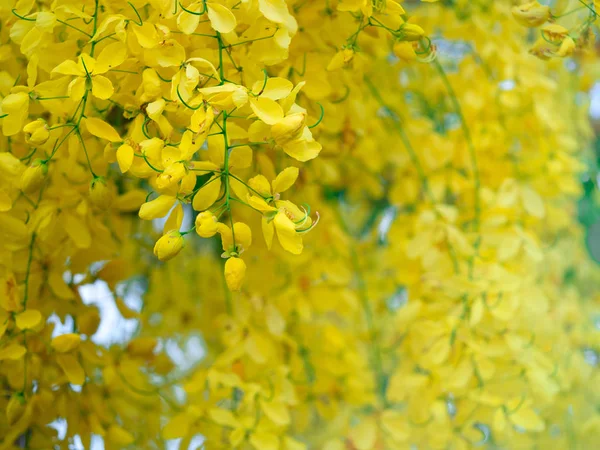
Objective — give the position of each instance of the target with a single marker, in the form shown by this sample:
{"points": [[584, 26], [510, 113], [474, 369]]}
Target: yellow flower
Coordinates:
{"points": [[235, 271], [169, 245], [89, 72], [289, 128], [567, 47], [16, 108], [340, 59], [235, 241], [36, 132], [410, 32], [279, 216], [206, 224], [34, 176], [404, 50], [100, 193], [295, 138], [531, 14]]}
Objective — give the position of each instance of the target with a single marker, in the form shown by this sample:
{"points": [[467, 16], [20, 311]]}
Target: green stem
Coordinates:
{"points": [[248, 186], [95, 27], [86, 153], [28, 271], [74, 28], [226, 173]]}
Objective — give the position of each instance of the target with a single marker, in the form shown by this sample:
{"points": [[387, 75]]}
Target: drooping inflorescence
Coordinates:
{"points": [[332, 224]]}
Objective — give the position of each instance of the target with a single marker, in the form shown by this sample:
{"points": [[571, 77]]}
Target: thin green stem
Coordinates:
{"points": [[74, 28], [28, 271], [95, 27], [86, 153]]}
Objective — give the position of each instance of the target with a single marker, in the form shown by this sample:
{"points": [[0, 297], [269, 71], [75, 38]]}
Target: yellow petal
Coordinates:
{"points": [[119, 436], [364, 435], [175, 219], [286, 233], [267, 110], [77, 230], [5, 201], [28, 319], [69, 68], [157, 208], [268, 229], [302, 150], [532, 202], [77, 89], [277, 11], [285, 179], [178, 426], [146, 35], [277, 412], [240, 157], [260, 204], [223, 417], [102, 88], [125, 157], [111, 56], [396, 425], [130, 201], [275, 88], [207, 194], [235, 271], [526, 418], [261, 185], [264, 441], [72, 369], [243, 235], [239, 188], [187, 23], [101, 129], [221, 18], [66, 342], [12, 351]]}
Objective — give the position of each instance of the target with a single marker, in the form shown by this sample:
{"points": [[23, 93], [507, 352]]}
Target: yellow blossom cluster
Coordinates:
{"points": [[384, 197]]}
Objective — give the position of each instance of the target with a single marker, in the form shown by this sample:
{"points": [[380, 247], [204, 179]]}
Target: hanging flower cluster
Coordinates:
{"points": [[411, 275]]}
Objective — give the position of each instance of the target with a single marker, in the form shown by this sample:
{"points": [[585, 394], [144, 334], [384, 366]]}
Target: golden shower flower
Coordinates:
{"points": [[169, 245], [235, 272], [34, 176], [531, 14]]}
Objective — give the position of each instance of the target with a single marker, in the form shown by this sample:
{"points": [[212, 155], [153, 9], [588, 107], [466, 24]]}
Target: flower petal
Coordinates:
{"points": [[221, 18]]}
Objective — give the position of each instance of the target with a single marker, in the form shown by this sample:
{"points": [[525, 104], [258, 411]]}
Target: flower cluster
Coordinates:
{"points": [[411, 275]]}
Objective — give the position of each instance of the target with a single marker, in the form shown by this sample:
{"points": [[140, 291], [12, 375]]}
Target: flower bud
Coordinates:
{"points": [[567, 47], [168, 246], [341, 59], [100, 193], [235, 271], [531, 14], [34, 176], [206, 224], [410, 32], [554, 33], [36, 132], [405, 51], [171, 175], [289, 128]]}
